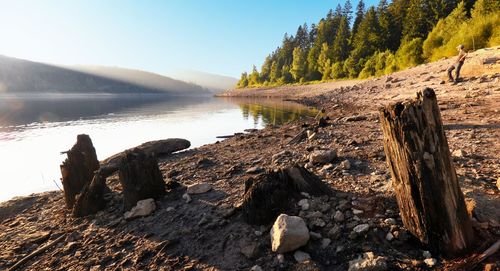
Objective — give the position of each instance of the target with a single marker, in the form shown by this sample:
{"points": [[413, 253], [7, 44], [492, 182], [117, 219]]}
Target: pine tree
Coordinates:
{"points": [[253, 78], [360, 12], [398, 9], [299, 64], [265, 70], [387, 28], [417, 22], [302, 37], [347, 11], [275, 74], [340, 50]]}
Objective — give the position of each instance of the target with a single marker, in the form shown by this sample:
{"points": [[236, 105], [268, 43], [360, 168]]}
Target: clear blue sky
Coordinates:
{"points": [[217, 36]]}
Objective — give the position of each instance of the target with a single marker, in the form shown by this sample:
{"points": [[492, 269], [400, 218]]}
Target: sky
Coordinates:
{"points": [[223, 37]]}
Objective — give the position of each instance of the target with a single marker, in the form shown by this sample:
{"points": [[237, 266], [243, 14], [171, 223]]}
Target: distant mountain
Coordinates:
{"points": [[214, 82], [23, 76]]}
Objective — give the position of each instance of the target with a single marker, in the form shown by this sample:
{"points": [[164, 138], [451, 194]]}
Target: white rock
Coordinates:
{"points": [[339, 216], [143, 208], [426, 254], [186, 197], [256, 268], [253, 170], [322, 157], [361, 228], [345, 164], [430, 262], [301, 256], [369, 262], [199, 188], [281, 258], [288, 233], [304, 204], [170, 209], [498, 183], [356, 211], [389, 236]]}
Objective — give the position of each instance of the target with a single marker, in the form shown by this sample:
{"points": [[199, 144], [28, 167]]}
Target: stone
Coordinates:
{"points": [[317, 222], [281, 258], [199, 188], [143, 208], [301, 256], [345, 164], [458, 153], [254, 170], [490, 266], [325, 242], [390, 221], [369, 262], [357, 212], [389, 237], [186, 197], [322, 157], [250, 250], [304, 204], [430, 262], [288, 233], [315, 235], [334, 232], [498, 183], [362, 228], [256, 268], [426, 254], [339, 216]]}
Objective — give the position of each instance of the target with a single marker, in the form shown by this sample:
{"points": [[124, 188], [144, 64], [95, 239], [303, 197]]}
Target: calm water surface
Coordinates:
{"points": [[34, 130]]}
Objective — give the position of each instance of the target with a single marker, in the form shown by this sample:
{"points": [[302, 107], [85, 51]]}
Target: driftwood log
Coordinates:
{"points": [[269, 194], [91, 198], [158, 147], [78, 169], [140, 178], [430, 201]]}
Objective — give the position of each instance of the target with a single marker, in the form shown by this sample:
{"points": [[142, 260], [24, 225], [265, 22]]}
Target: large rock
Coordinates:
{"points": [[143, 208], [288, 233], [322, 157], [370, 262]]}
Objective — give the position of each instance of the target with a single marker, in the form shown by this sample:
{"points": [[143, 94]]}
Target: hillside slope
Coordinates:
{"points": [[23, 76]]}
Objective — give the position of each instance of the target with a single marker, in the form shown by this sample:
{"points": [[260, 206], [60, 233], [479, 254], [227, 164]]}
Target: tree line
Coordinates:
{"points": [[381, 39]]}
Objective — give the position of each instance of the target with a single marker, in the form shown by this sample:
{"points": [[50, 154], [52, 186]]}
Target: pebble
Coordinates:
{"points": [[339, 216], [315, 235], [362, 228], [345, 164], [186, 197], [390, 221], [254, 170], [256, 268], [389, 236], [304, 204], [325, 242], [427, 254], [357, 212], [301, 256]]}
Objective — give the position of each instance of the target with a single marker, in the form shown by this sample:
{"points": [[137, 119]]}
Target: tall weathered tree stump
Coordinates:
{"points": [[78, 169], [140, 178], [430, 201]]}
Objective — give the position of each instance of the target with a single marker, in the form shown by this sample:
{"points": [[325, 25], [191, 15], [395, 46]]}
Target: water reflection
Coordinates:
{"points": [[34, 130], [272, 111]]}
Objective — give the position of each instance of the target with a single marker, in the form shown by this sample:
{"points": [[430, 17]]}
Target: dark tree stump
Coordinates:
{"points": [[78, 169], [140, 178], [91, 199], [430, 201], [270, 194]]}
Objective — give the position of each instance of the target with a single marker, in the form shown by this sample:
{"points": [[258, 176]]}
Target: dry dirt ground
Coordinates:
{"points": [[208, 233]]}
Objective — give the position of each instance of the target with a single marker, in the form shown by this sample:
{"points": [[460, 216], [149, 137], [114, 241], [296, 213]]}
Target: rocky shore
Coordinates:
{"points": [[198, 225]]}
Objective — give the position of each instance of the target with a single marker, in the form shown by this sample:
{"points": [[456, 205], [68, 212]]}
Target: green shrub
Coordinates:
{"points": [[409, 53]]}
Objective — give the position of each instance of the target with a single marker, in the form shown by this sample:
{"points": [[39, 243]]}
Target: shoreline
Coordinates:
{"points": [[209, 232]]}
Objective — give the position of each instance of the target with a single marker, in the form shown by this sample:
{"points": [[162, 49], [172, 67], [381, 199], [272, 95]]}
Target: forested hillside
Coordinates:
{"points": [[377, 40]]}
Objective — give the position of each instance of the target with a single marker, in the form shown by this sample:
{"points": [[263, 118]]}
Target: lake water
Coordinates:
{"points": [[35, 129]]}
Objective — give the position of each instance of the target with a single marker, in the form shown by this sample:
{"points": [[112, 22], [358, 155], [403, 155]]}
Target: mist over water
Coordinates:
{"points": [[34, 130]]}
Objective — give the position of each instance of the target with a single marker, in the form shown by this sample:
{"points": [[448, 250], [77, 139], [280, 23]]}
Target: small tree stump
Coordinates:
{"points": [[270, 194], [140, 178], [78, 169], [430, 201], [91, 199]]}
